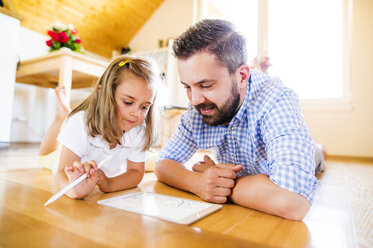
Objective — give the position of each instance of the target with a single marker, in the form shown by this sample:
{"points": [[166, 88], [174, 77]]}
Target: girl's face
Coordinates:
{"points": [[133, 97]]}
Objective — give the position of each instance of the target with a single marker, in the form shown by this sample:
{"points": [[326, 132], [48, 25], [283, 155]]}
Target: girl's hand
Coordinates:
{"points": [[75, 171], [103, 181]]}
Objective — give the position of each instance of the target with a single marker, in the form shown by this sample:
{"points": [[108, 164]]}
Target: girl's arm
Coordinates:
{"points": [[69, 169], [131, 178]]}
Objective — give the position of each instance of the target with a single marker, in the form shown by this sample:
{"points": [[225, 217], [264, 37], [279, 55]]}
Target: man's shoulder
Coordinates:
{"points": [[265, 85], [265, 91]]}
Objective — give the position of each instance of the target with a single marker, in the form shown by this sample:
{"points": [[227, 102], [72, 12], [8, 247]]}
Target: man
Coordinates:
{"points": [[252, 121]]}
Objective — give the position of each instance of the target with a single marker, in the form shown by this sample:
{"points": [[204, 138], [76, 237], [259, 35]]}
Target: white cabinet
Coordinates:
{"points": [[9, 27]]}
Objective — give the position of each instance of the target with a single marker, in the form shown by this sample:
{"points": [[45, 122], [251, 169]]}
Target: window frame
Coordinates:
{"points": [[343, 103]]}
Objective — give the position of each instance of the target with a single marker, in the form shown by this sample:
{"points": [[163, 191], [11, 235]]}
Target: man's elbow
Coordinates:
{"points": [[294, 209], [158, 170]]}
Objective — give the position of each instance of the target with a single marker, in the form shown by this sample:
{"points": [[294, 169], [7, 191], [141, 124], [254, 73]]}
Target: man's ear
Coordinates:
{"points": [[244, 75]]}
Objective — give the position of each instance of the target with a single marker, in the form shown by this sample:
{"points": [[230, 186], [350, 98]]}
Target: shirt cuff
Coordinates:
{"points": [[295, 179]]}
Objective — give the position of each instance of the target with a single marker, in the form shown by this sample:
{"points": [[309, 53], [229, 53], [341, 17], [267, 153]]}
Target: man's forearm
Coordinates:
{"points": [[260, 193], [214, 184], [174, 174]]}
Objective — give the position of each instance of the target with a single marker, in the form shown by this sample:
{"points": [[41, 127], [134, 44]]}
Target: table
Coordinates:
{"points": [[62, 67], [24, 221]]}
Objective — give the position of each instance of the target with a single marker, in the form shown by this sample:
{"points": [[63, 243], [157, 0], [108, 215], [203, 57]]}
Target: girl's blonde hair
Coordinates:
{"points": [[100, 106]]}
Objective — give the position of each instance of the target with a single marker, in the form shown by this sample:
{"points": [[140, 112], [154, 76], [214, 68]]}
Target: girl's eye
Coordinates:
{"points": [[145, 107], [127, 103]]}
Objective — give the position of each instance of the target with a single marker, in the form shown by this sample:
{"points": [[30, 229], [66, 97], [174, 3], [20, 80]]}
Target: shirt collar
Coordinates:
{"points": [[99, 141], [241, 112]]}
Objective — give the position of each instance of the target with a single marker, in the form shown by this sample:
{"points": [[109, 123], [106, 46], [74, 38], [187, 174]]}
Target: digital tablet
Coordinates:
{"points": [[170, 208]]}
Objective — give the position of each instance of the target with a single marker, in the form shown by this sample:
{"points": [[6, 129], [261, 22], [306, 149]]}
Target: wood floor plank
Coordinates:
{"points": [[83, 223], [341, 214]]}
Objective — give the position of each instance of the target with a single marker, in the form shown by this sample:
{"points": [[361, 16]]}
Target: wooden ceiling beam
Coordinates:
{"points": [[103, 25]]}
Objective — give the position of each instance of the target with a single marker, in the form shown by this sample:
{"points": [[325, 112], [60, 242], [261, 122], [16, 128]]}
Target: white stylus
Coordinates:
{"points": [[76, 182]]}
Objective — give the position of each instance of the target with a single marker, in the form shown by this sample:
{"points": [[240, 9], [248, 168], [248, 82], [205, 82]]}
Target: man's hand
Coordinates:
{"points": [[217, 181], [203, 165]]}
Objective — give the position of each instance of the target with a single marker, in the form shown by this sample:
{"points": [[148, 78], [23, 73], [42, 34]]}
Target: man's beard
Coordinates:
{"points": [[227, 111]]}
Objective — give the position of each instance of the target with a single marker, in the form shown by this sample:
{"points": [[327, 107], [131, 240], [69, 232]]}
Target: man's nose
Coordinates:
{"points": [[196, 97]]}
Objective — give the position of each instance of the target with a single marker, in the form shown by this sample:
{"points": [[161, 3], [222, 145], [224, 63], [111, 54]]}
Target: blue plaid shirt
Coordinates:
{"points": [[268, 136]]}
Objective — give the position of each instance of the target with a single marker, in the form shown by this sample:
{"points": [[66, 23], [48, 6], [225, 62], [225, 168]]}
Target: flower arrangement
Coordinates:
{"points": [[64, 36], [261, 64]]}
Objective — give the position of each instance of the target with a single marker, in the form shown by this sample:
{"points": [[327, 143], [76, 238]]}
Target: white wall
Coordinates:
{"points": [[171, 19], [350, 132]]}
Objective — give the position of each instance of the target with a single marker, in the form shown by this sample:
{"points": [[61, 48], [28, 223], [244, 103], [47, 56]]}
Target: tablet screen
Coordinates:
{"points": [[170, 208]]}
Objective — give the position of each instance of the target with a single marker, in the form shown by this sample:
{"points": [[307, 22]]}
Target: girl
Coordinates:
{"points": [[116, 119], [49, 152]]}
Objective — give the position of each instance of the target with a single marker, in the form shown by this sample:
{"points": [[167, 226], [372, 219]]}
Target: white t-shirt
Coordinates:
{"points": [[75, 137]]}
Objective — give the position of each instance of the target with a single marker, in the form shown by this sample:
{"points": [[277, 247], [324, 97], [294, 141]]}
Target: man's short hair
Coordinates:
{"points": [[215, 36]]}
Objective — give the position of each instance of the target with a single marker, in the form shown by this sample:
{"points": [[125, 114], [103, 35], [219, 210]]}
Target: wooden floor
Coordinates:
{"points": [[342, 209]]}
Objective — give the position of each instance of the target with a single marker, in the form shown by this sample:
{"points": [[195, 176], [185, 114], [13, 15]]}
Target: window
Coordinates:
{"points": [[304, 39], [242, 13], [305, 46]]}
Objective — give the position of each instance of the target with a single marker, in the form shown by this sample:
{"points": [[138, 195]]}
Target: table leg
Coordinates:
{"points": [[65, 76]]}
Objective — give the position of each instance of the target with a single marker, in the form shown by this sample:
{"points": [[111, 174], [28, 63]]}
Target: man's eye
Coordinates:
{"points": [[206, 86], [186, 87]]}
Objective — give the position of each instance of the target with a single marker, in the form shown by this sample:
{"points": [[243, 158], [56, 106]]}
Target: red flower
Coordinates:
{"points": [[50, 33], [55, 37], [63, 37]]}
